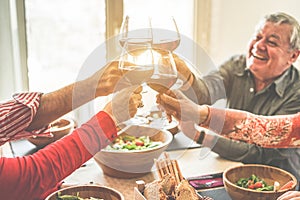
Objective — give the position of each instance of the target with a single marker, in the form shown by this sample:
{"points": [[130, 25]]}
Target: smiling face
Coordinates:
{"points": [[269, 52]]}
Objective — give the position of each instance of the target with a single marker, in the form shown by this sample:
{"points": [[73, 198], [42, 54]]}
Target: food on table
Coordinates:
{"points": [[128, 142], [255, 183], [171, 185], [168, 184], [72, 197], [288, 185], [154, 191], [185, 191], [166, 189], [276, 186]]}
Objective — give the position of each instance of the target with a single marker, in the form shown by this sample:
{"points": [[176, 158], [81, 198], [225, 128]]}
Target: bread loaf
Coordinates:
{"points": [[154, 191], [166, 189], [185, 191]]}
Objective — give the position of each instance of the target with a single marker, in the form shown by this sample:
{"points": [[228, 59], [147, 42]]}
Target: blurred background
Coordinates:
{"points": [[45, 43]]}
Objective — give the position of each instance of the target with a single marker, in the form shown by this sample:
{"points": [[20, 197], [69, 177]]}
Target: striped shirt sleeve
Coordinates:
{"points": [[17, 114]]}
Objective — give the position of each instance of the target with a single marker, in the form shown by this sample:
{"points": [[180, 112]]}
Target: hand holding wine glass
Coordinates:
{"points": [[136, 65], [165, 72]]}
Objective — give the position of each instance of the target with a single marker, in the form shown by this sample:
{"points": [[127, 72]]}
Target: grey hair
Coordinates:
{"points": [[283, 18]]}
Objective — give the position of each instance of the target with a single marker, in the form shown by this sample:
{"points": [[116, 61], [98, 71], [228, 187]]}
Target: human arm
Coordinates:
{"points": [[17, 114], [266, 131], [30, 113], [214, 85], [290, 195], [35, 176], [57, 103]]}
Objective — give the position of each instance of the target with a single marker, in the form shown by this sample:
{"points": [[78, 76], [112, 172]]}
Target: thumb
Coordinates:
{"points": [[170, 101]]}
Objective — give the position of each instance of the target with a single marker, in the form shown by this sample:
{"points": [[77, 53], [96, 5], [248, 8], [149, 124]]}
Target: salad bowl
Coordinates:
{"points": [[275, 182], [92, 192], [132, 159]]}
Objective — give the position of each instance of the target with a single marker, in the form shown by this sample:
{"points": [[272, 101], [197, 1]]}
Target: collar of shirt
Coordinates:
{"points": [[280, 84]]}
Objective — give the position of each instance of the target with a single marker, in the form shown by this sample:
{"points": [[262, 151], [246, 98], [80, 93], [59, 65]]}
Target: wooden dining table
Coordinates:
{"points": [[193, 160]]}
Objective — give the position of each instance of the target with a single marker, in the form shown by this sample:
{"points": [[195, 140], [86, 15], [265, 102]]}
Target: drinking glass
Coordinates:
{"points": [[136, 66], [163, 78], [135, 32], [165, 39], [165, 72], [165, 33]]}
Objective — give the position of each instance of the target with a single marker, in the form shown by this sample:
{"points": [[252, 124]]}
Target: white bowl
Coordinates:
{"points": [[133, 163]]}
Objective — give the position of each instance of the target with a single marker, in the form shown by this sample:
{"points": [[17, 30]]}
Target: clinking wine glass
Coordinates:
{"points": [[136, 65], [165, 33], [136, 58], [165, 72], [134, 32], [148, 49], [165, 39], [163, 78]]}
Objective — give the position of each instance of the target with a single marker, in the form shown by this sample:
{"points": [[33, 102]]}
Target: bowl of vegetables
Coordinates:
{"points": [[253, 181], [133, 152], [86, 192]]}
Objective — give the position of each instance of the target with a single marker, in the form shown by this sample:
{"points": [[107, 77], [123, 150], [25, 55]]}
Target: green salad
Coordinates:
{"points": [[128, 142], [254, 182]]}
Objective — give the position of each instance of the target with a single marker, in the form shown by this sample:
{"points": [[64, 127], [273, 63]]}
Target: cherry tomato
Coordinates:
{"points": [[258, 185], [139, 143], [251, 186]]}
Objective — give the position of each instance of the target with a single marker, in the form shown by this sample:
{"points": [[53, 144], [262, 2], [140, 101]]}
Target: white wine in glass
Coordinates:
{"points": [[165, 33], [136, 65], [165, 71], [135, 31]]}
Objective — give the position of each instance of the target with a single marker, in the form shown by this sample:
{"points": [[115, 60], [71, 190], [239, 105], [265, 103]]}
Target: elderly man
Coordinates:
{"points": [[263, 82]]}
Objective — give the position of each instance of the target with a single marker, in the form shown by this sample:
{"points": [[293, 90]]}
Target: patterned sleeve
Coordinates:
{"points": [[280, 131], [17, 114]]}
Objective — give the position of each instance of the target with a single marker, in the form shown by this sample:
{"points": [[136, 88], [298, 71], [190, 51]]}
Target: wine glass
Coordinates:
{"points": [[165, 33], [165, 71], [135, 31], [163, 78], [136, 61], [165, 39], [136, 66]]}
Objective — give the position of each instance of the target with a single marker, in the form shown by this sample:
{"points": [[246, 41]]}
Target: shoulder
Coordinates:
{"points": [[236, 64]]}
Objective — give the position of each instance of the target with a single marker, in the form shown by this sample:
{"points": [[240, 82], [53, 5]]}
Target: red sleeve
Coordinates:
{"points": [[35, 176], [17, 114]]}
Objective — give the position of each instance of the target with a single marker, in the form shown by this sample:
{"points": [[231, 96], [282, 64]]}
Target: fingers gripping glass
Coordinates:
{"points": [[147, 60]]}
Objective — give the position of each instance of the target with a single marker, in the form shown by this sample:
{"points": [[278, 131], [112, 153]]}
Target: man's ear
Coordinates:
{"points": [[295, 55]]}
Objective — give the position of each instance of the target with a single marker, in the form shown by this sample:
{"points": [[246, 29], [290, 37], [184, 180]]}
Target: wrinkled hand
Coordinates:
{"points": [[109, 79], [178, 105], [124, 104], [290, 195]]}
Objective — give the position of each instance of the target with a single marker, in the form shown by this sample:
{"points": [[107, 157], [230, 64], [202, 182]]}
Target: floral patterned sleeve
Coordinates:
{"points": [[279, 131], [17, 114]]}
